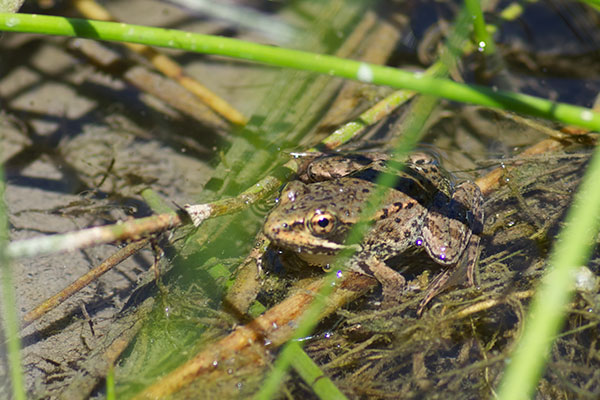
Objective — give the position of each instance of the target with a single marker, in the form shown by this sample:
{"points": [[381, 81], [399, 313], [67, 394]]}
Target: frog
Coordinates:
{"points": [[424, 211]]}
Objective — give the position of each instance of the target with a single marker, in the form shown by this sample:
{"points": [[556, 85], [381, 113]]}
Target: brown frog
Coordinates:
{"points": [[423, 210]]}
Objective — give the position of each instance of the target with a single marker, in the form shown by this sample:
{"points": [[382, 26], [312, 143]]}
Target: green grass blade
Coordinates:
{"points": [[482, 37], [421, 111], [546, 315], [313, 376], [8, 305], [302, 60], [110, 385], [286, 357]]}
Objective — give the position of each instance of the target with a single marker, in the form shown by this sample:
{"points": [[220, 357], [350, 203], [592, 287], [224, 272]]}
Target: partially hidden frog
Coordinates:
{"points": [[422, 210]]}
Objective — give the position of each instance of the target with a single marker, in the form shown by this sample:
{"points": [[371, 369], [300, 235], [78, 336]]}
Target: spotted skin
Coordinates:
{"points": [[422, 210]]}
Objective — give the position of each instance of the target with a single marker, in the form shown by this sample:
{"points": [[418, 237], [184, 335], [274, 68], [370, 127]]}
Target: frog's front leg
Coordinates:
{"points": [[392, 282], [454, 275]]}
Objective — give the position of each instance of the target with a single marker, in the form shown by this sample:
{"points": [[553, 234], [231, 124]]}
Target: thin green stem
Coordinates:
{"points": [[546, 315], [482, 37], [310, 372], [307, 323], [302, 60], [8, 305], [110, 384], [422, 109]]}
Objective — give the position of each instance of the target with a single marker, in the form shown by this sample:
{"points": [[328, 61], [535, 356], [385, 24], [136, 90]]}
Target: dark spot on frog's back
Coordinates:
{"points": [[384, 213]]}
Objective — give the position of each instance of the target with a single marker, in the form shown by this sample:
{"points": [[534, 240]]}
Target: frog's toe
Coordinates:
{"points": [[434, 288]]}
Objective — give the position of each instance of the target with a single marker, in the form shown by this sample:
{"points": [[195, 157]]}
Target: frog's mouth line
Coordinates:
{"points": [[302, 242], [310, 245]]}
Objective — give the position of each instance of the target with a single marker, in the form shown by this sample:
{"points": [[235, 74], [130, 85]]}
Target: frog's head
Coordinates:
{"points": [[310, 220]]}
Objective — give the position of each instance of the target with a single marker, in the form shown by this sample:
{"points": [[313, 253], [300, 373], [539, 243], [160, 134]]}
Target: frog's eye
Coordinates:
{"points": [[321, 223]]}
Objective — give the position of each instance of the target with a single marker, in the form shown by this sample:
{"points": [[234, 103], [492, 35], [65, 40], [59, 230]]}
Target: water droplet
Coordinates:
{"points": [[339, 273], [586, 115], [481, 47], [11, 22], [364, 73], [419, 242], [215, 363]]}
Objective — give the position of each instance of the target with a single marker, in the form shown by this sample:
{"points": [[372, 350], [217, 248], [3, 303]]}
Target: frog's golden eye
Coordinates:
{"points": [[321, 223]]}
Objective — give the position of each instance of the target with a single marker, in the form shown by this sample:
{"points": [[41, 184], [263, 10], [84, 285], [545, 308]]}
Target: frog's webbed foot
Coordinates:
{"points": [[392, 282]]}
